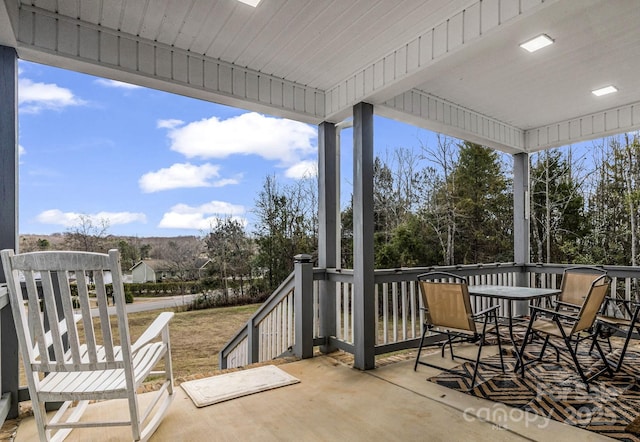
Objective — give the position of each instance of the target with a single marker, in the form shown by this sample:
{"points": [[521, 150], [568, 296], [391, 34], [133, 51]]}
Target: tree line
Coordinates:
{"points": [[445, 204]]}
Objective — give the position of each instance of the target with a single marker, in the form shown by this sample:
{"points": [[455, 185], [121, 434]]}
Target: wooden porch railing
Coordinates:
{"points": [[289, 322], [399, 318]]}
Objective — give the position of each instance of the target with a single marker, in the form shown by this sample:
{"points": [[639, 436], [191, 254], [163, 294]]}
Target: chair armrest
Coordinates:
{"points": [[567, 304], [553, 312], [156, 327], [626, 304], [487, 310]]}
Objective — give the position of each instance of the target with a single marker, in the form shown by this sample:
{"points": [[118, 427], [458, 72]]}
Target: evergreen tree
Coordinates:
{"points": [[483, 203]]}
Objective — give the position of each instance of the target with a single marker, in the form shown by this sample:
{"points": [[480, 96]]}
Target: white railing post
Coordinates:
{"points": [[303, 311]]}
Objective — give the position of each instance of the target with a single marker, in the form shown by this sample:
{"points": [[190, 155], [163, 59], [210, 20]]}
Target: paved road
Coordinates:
{"points": [[145, 304]]}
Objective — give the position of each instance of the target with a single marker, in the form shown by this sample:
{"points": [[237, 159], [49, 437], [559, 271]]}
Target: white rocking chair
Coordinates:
{"points": [[73, 358]]}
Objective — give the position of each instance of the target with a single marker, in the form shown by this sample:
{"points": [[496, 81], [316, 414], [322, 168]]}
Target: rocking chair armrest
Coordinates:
{"points": [[486, 310], [553, 312], [156, 327]]}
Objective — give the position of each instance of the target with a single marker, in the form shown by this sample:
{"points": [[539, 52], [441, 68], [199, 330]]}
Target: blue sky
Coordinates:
{"points": [[154, 163]]}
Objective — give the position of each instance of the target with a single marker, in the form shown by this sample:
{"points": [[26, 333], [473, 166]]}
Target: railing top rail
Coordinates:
{"points": [[278, 295], [612, 270]]}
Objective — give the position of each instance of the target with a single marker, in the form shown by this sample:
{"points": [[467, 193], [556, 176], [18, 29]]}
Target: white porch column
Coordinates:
{"points": [[363, 260], [521, 223], [328, 218], [9, 381]]}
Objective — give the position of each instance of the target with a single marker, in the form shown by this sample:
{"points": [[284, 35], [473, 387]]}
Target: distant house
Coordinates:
{"points": [[202, 267], [152, 270], [157, 270]]}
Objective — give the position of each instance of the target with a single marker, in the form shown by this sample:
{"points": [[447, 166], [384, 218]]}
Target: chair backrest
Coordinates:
{"points": [[56, 328], [576, 283], [445, 297], [592, 304]]}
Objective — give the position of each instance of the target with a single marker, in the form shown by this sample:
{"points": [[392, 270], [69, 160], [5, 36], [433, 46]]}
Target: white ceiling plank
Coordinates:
{"points": [[172, 21], [132, 16], [152, 19], [218, 15], [90, 10], [111, 16], [192, 24], [69, 8]]}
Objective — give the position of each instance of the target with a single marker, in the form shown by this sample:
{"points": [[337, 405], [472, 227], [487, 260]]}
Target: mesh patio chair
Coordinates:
{"points": [[620, 317], [447, 305], [575, 285], [74, 351], [571, 328]]}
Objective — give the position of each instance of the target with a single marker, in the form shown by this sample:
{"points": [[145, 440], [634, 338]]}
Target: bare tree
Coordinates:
{"points": [[441, 198], [88, 234]]}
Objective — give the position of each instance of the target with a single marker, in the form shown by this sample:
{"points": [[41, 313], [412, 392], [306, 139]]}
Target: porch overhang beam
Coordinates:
{"points": [[406, 67], [589, 127], [438, 115], [76, 45]]}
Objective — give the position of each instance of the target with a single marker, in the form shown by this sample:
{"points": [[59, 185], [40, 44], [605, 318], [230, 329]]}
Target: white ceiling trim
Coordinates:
{"points": [[8, 12], [400, 70], [436, 114], [45, 37], [588, 127]]}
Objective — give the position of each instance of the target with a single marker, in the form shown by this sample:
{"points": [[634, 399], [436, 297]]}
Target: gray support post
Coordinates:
{"points": [[303, 307], [253, 342], [328, 217], [521, 223], [9, 380], [363, 259]]}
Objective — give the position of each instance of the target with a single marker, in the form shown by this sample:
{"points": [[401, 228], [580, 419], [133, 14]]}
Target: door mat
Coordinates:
{"points": [[224, 387]]}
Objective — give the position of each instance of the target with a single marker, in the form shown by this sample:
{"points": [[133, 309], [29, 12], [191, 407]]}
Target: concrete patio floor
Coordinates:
{"points": [[336, 402]]}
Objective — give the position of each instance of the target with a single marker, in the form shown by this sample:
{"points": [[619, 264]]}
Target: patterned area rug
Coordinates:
{"points": [[555, 390]]}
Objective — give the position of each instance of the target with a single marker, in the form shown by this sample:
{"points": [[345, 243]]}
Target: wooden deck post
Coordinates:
{"points": [[363, 255], [253, 338], [521, 223], [303, 302], [329, 216], [9, 380]]}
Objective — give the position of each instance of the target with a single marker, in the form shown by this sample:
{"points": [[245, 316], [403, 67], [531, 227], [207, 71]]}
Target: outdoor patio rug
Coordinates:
{"points": [[555, 390], [224, 387]]}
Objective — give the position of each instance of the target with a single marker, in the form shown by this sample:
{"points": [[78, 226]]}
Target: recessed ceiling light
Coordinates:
{"points": [[253, 3], [537, 43], [604, 91]]}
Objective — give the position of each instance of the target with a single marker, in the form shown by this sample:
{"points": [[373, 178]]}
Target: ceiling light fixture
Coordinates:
{"points": [[253, 3], [537, 43], [604, 91]]}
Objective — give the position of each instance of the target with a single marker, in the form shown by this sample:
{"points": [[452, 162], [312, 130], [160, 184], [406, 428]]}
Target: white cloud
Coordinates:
{"points": [[248, 134], [169, 124], [70, 219], [226, 182], [182, 216], [183, 175], [116, 84], [21, 152], [303, 169], [35, 97]]}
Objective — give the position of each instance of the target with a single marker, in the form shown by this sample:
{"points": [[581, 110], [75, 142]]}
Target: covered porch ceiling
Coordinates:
{"points": [[452, 66]]}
